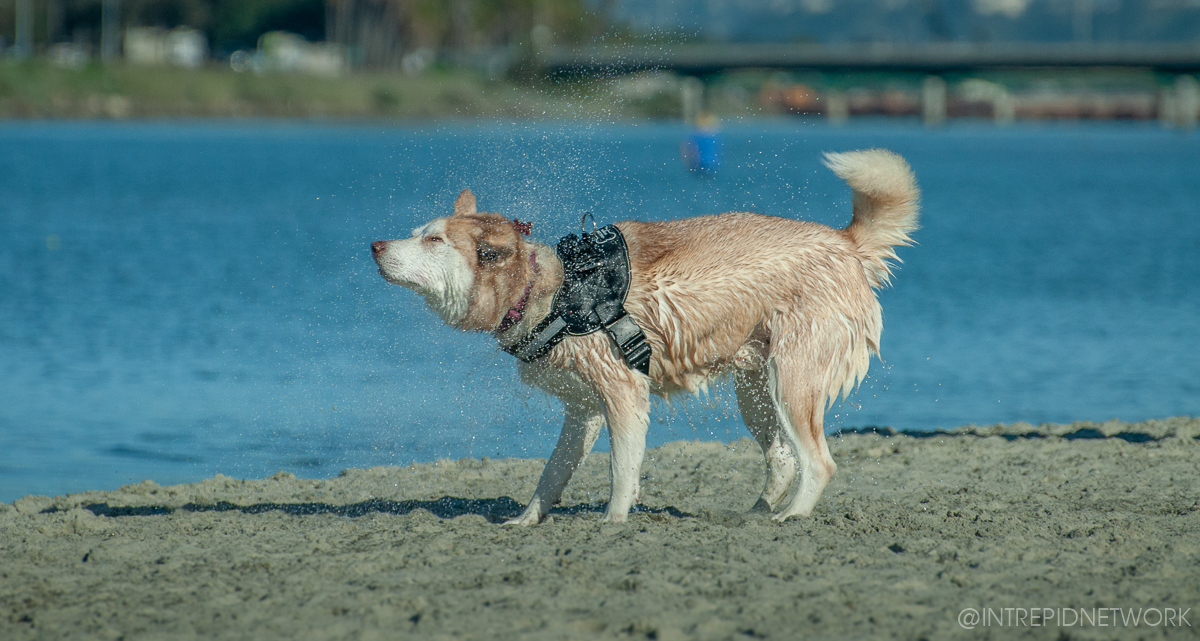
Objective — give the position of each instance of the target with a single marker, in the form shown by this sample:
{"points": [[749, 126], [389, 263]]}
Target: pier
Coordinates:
{"points": [[1179, 102], [932, 58]]}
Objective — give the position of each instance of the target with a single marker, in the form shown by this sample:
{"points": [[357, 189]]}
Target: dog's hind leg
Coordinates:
{"points": [[758, 412], [796, 370], [582, 424]]}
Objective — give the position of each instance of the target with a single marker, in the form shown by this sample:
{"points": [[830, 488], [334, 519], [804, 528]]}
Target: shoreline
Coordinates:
{"points": [[37, 89], [914, 528]]}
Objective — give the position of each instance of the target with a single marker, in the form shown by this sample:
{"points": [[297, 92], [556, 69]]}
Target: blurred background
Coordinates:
{"points": [[834, 59], [189, 189]]}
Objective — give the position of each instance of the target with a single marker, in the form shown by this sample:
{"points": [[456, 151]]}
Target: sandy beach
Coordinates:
{"points": [[1051, 521]]}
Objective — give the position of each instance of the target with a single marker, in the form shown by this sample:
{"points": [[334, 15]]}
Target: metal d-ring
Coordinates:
{"points": [[583, 220]]}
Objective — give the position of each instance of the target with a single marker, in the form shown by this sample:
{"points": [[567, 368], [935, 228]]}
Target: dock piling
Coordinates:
{"points": [[933, 100]]}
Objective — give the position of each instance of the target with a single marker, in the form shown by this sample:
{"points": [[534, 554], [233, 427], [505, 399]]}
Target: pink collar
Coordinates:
{"points": [[515, 314]]}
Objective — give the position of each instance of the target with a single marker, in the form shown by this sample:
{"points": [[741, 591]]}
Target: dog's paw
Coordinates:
{"points": [[615, 518], [761, 507], [787, 514], [525, 520]]}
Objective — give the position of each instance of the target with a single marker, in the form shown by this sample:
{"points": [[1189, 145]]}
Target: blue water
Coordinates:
{"points": [[181, 299]]}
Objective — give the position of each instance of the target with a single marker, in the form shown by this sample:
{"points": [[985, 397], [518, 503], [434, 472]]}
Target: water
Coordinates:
{"points": [[181, 299]]}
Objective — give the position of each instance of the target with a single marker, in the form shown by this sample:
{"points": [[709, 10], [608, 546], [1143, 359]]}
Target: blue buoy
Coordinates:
{"points": [[701, 150]]}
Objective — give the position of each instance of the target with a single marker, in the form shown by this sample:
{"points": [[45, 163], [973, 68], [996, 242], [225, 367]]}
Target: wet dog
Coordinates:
{"points": [[786, 307]]}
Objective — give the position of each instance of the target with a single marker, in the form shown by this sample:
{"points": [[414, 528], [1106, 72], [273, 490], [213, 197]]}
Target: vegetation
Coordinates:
{"points": [[35, 88], [379, 31]]}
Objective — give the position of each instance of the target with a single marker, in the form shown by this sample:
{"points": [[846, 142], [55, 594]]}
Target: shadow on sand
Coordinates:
{"points": [[1083, 433], [495, 510]]}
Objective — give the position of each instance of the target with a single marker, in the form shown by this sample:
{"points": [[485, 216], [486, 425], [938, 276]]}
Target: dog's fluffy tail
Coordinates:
{"points": [[886, 205]]}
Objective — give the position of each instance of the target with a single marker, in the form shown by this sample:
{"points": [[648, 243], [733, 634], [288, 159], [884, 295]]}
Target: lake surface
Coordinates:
{"points": [[181, 299]]}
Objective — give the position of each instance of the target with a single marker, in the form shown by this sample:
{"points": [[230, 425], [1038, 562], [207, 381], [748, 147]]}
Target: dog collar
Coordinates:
{"points": [[515, 314], [592, 297]]}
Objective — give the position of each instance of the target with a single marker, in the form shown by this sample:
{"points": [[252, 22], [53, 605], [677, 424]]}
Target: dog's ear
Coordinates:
{"points": [[465, 204], [488, 254]]}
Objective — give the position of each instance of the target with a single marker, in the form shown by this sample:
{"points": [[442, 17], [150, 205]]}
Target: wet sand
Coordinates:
{"points": [[912, 530]]}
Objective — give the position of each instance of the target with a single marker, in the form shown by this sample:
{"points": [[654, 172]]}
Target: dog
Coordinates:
{"points": [[787, 307]]}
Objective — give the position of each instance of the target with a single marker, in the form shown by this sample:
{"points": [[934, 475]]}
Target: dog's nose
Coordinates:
{"points": [[378, 246]]}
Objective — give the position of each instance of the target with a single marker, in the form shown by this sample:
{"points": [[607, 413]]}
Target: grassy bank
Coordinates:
{"points": [[36, 89]]}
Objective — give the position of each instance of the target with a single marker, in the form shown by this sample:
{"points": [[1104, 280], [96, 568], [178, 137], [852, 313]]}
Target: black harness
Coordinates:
{"points": [[592, 297]]}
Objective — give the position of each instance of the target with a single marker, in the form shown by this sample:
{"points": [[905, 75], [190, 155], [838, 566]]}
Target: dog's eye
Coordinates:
{"points": [[488, 254], [433, 239]]}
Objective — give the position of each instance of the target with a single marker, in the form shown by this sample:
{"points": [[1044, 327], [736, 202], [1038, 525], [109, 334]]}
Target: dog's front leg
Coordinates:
{"points": [[582, 424], [627, 407]]}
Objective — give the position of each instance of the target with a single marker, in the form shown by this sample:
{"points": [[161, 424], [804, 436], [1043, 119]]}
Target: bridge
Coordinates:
{"points": [[933, 58], [1180, 105]]}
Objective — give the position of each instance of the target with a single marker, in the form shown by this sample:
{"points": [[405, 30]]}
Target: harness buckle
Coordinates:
{"points": [[631, 340]]}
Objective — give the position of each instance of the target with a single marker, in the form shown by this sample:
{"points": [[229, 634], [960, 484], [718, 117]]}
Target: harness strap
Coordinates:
{"points": [[546, 335], [595, 282]]}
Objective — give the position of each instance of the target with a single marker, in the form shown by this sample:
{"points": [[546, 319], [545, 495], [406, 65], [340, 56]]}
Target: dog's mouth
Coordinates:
{"points": [[415, 283], [388, 272]]}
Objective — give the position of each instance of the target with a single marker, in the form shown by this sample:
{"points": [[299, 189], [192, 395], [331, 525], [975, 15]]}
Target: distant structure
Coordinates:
{"points": [[179, 47], [935, 60], [281, 51], [23, 43], [110, 30], [938, 38], [930, 57]]}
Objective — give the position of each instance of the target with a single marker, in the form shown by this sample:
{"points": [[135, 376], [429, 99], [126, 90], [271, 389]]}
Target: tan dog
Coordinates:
{"points": [[786, 306]]}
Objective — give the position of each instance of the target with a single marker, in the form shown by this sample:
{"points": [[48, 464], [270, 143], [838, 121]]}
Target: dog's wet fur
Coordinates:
{"points": [[786, 307]]}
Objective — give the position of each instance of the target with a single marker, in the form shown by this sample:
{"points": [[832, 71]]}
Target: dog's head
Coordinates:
{"points": [[471, 267]]}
